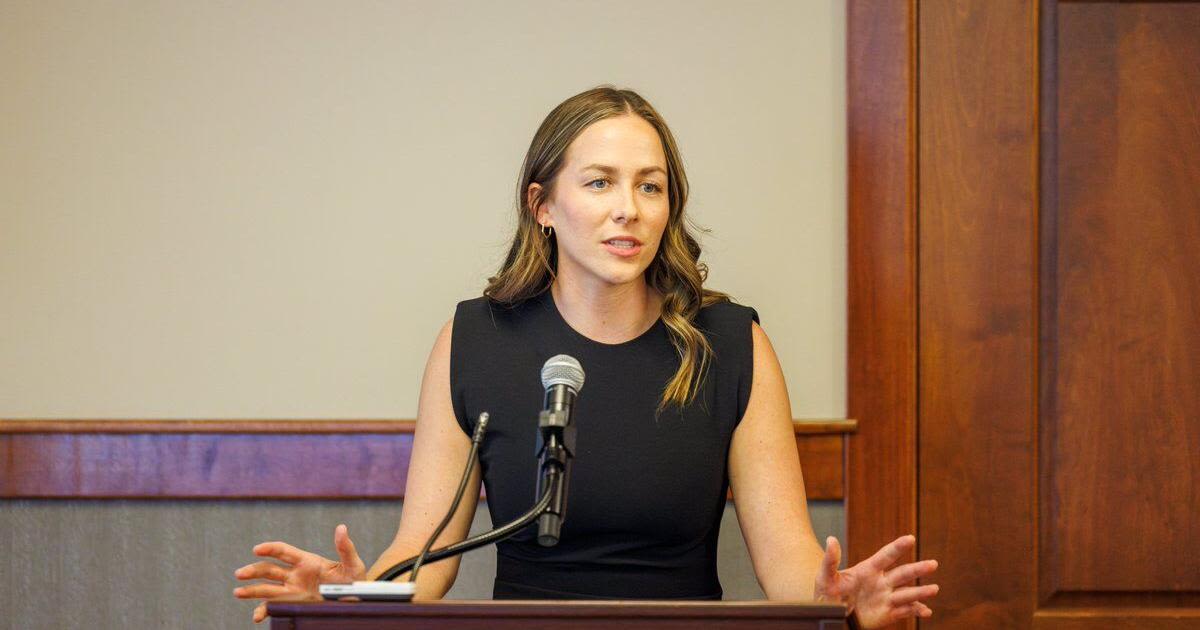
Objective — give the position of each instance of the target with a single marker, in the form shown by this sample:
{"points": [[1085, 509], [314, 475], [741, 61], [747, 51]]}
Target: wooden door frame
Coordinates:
{"points": [[881, 308]]}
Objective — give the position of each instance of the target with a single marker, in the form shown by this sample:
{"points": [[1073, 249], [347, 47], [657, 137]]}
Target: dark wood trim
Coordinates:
{"points": [[881, 351], [531, 615], [1126, 619], [300, 427], [802, 427], [825, 427], [571, 609], [978, 169], [822, 459], [1046, 280], [265, 459]]}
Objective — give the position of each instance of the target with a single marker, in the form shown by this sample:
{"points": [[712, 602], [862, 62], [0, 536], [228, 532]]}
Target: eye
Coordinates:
{"points": [[654, 188], [596, 180]]}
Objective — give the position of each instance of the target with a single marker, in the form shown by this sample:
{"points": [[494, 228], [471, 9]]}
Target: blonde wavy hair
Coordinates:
{"points": [[532, 261]]}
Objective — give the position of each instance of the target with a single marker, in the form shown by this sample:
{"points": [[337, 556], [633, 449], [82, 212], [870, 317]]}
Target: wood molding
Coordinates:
{"points": [[1113, 421], [832, 426], [533, 615], [881, 309], [1020, 198], [266, 459], [977, 363], [1127, 619]]}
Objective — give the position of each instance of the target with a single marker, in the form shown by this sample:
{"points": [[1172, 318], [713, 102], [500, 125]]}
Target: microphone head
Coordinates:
{"points": [[562, 369]]}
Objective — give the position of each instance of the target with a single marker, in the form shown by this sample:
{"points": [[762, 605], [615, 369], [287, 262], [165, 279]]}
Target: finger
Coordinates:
{"points": [[260, 591], [833, 556], [915, 609], [279, 550], [910, 594], [908, 573], [262, 571], [891, 552], [345, 547], [260, 612]]}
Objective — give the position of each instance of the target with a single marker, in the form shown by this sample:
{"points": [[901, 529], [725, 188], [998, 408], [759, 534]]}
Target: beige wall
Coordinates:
{"points": [[267, 209]]}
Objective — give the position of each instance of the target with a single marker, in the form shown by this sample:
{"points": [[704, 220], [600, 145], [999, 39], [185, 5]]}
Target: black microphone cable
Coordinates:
{"points": [[476, 440], [562, 377], [486, 538]]}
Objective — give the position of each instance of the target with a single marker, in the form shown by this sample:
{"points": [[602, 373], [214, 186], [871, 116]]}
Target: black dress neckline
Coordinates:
{"points": [[547, 301]]}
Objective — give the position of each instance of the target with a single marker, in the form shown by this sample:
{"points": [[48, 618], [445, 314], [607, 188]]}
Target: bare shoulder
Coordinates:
{"points": [[764, 352], [760, 335], [768, 391], [435, 383], [441, 345]]}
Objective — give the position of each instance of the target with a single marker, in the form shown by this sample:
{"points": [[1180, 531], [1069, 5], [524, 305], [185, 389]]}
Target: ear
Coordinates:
{"points": [[539, 211]]}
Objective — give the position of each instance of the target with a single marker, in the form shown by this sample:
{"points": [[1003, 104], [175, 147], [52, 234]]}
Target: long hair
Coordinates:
{"points": [[532, 261]]}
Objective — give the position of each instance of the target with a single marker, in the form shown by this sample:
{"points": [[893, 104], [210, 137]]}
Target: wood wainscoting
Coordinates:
{"points": [[267, 459]]}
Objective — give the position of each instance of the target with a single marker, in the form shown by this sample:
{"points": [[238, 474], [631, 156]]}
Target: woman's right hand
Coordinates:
{"points": [[300, 575]]}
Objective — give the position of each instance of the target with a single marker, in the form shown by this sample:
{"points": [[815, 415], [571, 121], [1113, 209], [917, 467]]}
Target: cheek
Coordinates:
{"points": [[574, 226], [660, 225], [582, 218]]}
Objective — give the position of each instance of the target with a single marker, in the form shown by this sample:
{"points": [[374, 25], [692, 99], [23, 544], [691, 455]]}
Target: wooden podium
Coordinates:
{"points": [[532, 615]]}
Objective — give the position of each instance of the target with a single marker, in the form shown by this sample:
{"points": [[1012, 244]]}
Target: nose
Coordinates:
{"points": [[626, 210]]}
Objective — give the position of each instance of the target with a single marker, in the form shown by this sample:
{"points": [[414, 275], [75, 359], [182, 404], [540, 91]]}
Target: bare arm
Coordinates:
{"points": [[439, 456], [768, 492], [768, 486]]}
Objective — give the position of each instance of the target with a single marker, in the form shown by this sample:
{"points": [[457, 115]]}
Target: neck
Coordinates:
{"points": [[608, 314]]}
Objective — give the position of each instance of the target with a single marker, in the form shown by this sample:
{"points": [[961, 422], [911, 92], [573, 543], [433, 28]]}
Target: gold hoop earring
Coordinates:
{"points": [[547, 230]]}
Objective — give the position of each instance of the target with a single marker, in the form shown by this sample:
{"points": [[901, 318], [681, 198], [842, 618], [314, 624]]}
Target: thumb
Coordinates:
{"points": [[345, 546], [833, 557]]}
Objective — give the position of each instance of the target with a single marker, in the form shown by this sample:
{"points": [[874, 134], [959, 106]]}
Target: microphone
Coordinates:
{"points": [[562, 377]]}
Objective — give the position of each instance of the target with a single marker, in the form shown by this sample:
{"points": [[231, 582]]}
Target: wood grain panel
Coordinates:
{"points": [[1122, 419], [881, 274], [996, 249], [1130, 619], [977, 305], [204, 465], [822, 458], [531, 615], [266, 459], [807, 426]]}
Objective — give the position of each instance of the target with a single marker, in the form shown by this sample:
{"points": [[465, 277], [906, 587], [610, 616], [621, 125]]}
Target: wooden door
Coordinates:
{"points": [[1054, 421]]}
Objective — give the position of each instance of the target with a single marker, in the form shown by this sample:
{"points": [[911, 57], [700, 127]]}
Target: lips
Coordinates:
{"points": [[623, 246], [629, 239]]}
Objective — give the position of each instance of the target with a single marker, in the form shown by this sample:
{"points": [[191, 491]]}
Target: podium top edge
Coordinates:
{"points": [[534, 609]]}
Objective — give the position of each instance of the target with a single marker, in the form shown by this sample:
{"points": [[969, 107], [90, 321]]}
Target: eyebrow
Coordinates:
{"points": [[604, 168]]}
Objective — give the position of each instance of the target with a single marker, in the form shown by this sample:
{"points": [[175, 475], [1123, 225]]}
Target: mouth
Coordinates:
{"points": [[623, 246]]}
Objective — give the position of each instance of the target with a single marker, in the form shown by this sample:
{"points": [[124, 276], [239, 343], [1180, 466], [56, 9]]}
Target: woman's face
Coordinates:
{"points": [[613, 185]]}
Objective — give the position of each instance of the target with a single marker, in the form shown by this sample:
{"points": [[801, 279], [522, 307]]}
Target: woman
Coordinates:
{"points": [[684, 398]]}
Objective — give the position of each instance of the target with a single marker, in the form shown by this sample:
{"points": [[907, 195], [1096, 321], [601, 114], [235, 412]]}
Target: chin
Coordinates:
{"points": [[617, 274], [625, 278]]}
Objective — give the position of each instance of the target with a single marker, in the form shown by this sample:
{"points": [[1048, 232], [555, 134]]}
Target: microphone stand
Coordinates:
{"points": [[555, 445], [555, 456], [556, 441], [554, 479]]}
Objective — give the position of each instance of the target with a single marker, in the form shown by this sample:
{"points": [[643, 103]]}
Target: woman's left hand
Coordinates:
{"points": [[871, 589]]}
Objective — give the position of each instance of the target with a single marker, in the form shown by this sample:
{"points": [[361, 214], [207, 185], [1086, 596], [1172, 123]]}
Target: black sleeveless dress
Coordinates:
{"points": [[645, 494]]}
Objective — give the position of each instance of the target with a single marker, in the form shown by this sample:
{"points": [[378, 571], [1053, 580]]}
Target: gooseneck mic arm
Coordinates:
{"points": [[562, 378], [486, 538], [476, 440]]}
